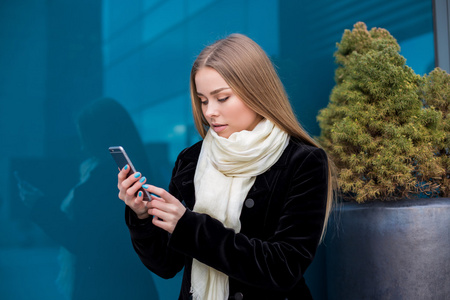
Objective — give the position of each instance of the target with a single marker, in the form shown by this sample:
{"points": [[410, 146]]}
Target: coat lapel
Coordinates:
{"points": [[184, 178]]}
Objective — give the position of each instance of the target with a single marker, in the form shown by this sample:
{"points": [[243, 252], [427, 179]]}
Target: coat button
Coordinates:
{"points": [[249, 203], [238, 296]]}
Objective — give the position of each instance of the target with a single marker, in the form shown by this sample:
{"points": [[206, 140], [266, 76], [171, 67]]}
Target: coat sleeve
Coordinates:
{"points": [[278, 262]]}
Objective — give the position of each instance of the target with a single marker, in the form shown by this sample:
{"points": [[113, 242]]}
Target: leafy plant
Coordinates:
{"points": [[384, 126], [435, 91]]}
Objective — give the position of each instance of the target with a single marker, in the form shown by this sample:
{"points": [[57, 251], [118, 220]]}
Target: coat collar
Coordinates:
{"points": [[184, 179]]}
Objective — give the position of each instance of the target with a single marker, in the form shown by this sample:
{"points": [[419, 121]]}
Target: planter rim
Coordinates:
{"points": [[402, 203]]}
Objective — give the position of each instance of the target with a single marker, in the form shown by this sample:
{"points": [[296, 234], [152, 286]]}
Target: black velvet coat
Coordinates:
{"points": [[281, 224]]}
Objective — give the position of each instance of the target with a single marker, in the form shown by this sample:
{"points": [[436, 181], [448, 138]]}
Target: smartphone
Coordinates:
{"points": [[121, 158]]}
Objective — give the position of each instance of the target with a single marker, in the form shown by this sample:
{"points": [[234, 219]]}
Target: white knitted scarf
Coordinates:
{"points": [[226, 170]]}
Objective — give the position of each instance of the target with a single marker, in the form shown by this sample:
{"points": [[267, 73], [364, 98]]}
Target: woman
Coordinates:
{"points": [[256, 191]]}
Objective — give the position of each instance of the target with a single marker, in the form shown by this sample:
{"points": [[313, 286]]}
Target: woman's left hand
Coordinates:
{"points": [[166, 208]]}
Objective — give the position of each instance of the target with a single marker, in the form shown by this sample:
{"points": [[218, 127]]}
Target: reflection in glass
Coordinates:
{"points": [[96, 258]]}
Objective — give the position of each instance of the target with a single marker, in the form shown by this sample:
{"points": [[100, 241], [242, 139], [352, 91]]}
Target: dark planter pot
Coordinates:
{"points": [[389, 250]]}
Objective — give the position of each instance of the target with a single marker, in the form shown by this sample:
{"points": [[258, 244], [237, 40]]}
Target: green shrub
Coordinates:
{"points": [[435, 91], [384, 141]]}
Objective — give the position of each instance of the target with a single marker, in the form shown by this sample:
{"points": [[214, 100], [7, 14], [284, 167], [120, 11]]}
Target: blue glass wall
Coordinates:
{"points": [[148, 54], [58, 58]]}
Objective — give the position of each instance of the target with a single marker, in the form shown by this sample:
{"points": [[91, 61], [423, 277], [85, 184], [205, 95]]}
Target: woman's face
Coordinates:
{"points": [[225, 112]]}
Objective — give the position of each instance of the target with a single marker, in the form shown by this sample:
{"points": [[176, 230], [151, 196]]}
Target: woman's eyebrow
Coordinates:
{"points": [[216, 91]]}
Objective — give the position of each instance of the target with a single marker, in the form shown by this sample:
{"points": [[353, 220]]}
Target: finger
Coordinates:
{"points": [[140, 206], [139, 203], [168, 211], [131, 179], [162, 193], [127, 183], [165, 218], [123, 173], [122, 184], [163, 225], [132, 190], [129, 187], [168, 224], [158, 212], [133, 201], [160, 204], [153, 197]]}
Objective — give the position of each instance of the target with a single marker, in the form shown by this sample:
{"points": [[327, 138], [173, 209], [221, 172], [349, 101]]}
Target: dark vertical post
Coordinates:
{"points": [[441, 12]]}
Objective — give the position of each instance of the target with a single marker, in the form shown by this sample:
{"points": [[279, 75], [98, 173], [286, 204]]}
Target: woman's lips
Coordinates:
{"points": [[219, 127]]}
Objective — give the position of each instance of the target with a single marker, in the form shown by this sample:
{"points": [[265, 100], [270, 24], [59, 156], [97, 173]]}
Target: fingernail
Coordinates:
{"points": [[145, 186], [126, 167], [140, 194], [137, 175], [142, 179]]}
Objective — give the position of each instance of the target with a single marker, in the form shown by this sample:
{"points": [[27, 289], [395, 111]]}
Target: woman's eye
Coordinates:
{"points": [[223, 99], [203, 102]]}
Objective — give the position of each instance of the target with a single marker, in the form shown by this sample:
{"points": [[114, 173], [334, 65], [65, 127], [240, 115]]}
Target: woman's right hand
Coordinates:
{"points": [[128, 187]]}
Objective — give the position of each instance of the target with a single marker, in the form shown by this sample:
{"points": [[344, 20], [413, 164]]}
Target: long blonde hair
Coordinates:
{"points": [[251, 75]]}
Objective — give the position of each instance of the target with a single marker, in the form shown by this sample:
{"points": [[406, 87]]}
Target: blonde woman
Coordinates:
{"points": [[247, 205]]}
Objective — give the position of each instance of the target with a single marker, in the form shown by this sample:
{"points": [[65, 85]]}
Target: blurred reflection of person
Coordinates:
{"points": [[97, 260]]}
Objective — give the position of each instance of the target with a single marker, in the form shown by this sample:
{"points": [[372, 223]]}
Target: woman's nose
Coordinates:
{"points": [[211, 111]]}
